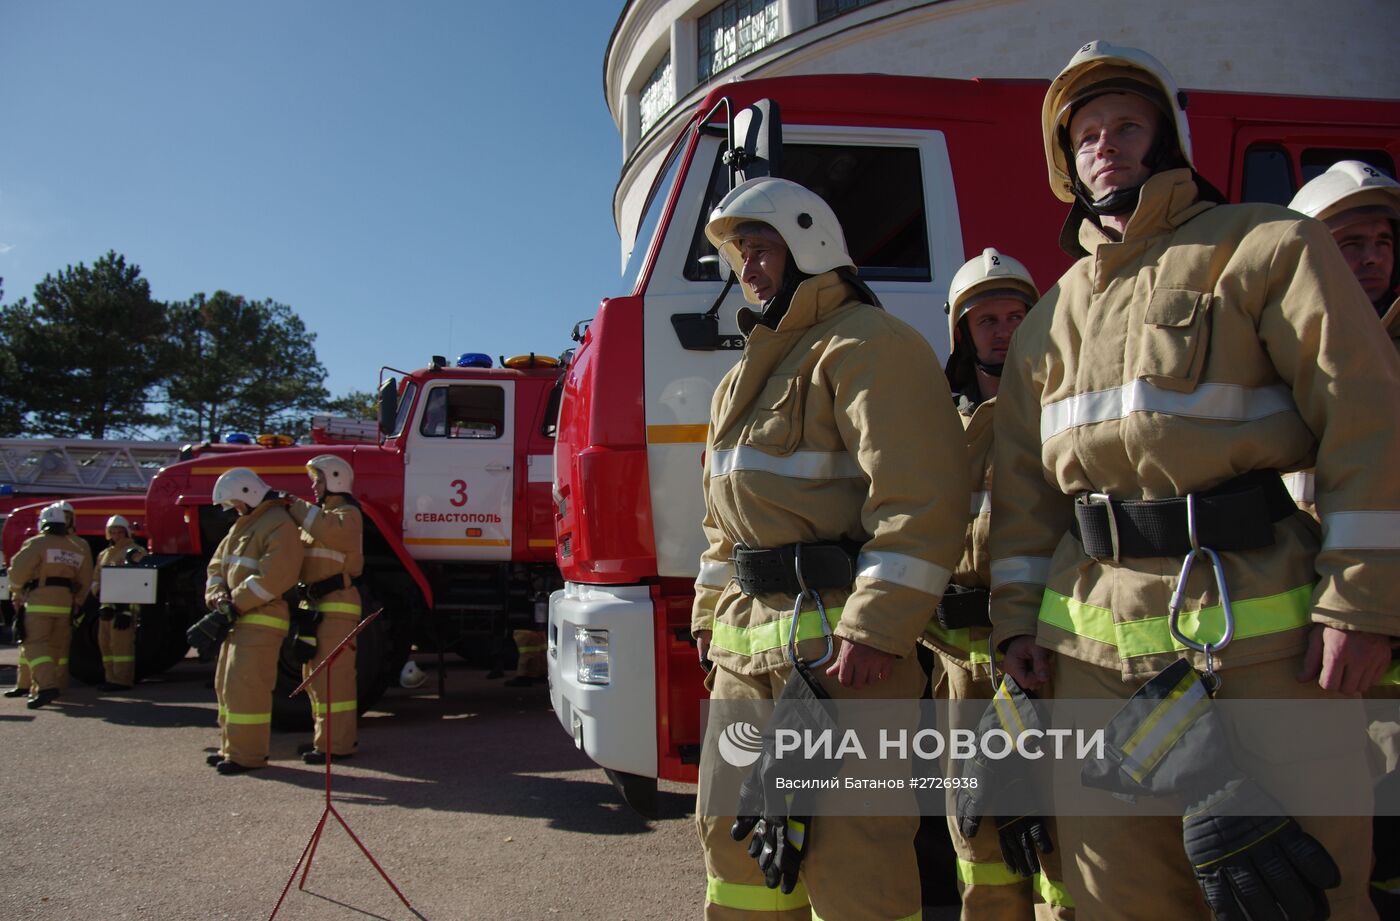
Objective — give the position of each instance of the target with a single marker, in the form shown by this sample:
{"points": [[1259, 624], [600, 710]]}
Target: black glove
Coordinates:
{"points": [[122, 620], [1252, 862], [304, 647], [106, 612], [778, 843], [1258, 867], [77, 616], [1003, 786], [20, 633], [209, 631]]}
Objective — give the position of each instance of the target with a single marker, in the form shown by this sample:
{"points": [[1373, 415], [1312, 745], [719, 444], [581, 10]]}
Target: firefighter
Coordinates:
{"points": [[116, 627], [51, 579], [81, 545], [987, 301], [257, 561], [1192, 351], [331, 536], [833, 440]]}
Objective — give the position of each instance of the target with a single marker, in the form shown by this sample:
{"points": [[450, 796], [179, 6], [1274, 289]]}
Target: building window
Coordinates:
{"points": [[830, 9], [735, 29], [657, 94]]}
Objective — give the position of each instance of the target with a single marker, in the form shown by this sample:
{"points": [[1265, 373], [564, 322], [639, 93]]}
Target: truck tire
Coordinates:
{"points": [[372, 651], [160, 644]]}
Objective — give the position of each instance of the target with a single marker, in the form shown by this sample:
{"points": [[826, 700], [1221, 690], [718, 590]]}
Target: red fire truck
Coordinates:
{"points": [[921, 172]]}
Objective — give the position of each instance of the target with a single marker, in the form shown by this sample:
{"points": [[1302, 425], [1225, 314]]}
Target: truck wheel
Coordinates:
{"points": [[293, 714]]}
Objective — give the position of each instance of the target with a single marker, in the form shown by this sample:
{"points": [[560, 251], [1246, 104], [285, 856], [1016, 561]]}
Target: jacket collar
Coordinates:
{"points": [[813, 301], [1167, 200]]}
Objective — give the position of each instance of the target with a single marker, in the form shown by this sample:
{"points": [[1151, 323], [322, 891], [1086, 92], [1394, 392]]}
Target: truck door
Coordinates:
{"points": [[458, 476]]}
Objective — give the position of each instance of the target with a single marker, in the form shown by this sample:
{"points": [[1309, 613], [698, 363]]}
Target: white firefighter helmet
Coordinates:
{"points": [[338, 473], [67, 509], [1346, 186], [239, 484], [984, 277], [411, 676], [118, 521], [801, 218], [1098, 68], [50, 516]]}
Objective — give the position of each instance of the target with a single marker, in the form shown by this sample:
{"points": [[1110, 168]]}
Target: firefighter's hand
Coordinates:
{"points": [[702, 646], [1027, 662], [1348, 661], [858, 666]]}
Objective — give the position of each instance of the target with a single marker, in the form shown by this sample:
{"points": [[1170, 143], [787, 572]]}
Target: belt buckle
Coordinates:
{"points": [[1104, 499]]}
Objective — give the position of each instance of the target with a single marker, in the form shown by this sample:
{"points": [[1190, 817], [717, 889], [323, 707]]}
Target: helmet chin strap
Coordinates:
{"points": [[992, 370]]}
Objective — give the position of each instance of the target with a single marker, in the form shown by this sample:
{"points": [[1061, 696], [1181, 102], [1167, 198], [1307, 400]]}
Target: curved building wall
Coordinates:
{"points": [[1270, 46]]}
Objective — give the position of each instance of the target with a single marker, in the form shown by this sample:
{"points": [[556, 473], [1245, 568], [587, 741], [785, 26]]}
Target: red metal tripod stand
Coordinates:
{"points": [[308, 853]]}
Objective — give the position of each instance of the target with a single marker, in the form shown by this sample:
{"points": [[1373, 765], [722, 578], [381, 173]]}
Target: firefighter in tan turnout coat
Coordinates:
{"points": [[331, 534], [834, 432], [987, 301], [116, 626], [1194, 350], [256, 562], [51, 578]]}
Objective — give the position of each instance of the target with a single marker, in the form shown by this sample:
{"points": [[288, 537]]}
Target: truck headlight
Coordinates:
{"points": [[593, 658]]}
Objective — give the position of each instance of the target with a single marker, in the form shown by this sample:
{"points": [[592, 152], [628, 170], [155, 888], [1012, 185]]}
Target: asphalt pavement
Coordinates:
{"points": [[478, 806]]}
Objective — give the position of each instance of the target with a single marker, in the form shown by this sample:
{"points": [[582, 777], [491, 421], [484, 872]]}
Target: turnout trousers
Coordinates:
{"points": [[118, 651], [990, 890], [244, 686], [858, 868], [48, 636], [1136, 868], [340, 702]]}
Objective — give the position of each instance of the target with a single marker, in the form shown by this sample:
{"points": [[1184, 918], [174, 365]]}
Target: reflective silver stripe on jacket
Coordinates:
{"points": [[326, 553], [901, 569], [214, 581], [1227, 402], [982, 503], [247, 562], [255, 586], [715, 575], [1032, 570], [1299, 484], [311, 514], [802, 465], [1361, 531]]}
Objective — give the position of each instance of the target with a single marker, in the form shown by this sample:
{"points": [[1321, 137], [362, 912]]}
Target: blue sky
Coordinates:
{"points": [[410, 177]]}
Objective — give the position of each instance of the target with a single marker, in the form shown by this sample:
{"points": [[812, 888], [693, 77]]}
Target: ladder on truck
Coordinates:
{"points": [[79, 466]]}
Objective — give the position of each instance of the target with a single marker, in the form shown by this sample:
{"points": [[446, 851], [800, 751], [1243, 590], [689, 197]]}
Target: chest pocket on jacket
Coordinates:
{"points": [[776, 426], [1175, 337]]}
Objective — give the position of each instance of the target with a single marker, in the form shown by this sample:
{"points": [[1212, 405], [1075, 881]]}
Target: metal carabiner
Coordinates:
{"points": [[1174, 612], [804, 593]]}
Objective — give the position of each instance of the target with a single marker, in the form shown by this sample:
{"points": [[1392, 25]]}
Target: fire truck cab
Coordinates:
{"points": [[921, 173]]}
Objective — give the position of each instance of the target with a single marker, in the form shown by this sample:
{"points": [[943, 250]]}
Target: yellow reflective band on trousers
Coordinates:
{"points": [[1391, 886], [40, 660], [1391, 675], [753, 898], [340, 706], [993, 873], [246, 719], [524, 649], [1051, 892], [264, 620], [118, 658], [961, 638], [748, 641], [916, 916], [1150, 635], [337, 607], [46, 609]]}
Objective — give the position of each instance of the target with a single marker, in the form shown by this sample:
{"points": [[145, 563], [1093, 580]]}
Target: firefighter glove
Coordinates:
{"points": [[209, 631], [304, 646], [1256, 867], [1003, 787], [122, 620], [106, 612], [778, 843], [77, 616]]}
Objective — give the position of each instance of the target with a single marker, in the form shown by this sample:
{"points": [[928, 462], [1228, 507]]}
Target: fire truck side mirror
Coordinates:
{"points": [[757, 138], [388, 406]]}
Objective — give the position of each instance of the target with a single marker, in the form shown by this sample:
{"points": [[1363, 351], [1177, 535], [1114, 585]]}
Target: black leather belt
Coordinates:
{"points": [[315, 591], [824, 565], [1239, 514], [69, 584], [964, 607]]}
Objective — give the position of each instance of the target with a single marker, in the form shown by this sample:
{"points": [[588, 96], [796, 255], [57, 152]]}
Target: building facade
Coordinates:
{"points": [[665, 55]]}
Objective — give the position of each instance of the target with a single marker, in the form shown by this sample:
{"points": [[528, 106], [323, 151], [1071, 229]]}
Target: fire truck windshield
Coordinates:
{"points": [[651, 215]]}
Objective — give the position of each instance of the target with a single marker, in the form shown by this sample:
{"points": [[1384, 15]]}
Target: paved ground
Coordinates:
{"points": [[478, 807]]}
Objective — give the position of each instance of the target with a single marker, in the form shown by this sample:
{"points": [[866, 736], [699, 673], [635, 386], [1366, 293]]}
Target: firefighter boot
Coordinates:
{"points": [[46, 696]]}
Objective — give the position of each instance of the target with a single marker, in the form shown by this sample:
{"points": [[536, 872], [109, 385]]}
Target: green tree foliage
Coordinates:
{"points": [[10, 412], [86, 351], [241, 365], [357, 404]]}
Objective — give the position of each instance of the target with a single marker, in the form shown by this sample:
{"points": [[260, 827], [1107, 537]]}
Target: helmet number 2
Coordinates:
{"points": [[461, 488]]}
